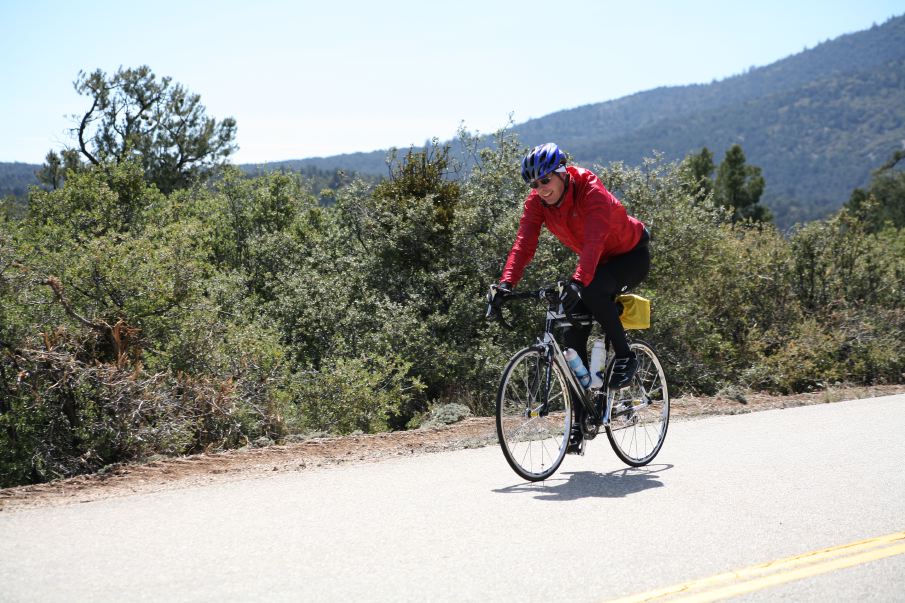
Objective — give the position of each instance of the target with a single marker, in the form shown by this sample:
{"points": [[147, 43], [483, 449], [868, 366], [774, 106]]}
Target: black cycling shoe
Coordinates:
{"points": [[624, 368], [576, 442]]}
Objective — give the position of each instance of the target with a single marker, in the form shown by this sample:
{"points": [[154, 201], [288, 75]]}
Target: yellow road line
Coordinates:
{"points": [[798, 574], [772, 573]]}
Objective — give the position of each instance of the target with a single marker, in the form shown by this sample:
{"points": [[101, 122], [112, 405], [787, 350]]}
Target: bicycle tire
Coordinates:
{"points": [[534, 443], [639, 416]]}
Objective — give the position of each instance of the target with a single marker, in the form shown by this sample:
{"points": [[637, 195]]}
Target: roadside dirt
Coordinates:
{"points": [[184, 472]]}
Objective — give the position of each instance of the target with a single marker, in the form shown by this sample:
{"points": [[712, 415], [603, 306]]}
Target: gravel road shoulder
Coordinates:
{"points": [[184, 472]]}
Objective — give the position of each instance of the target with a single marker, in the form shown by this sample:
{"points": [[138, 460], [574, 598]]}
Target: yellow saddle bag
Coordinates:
{"points": [[635, 313]]}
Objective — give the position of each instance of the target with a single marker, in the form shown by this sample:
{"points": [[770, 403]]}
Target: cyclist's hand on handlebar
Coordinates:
{"points": [[495, 298], [570, 296]]}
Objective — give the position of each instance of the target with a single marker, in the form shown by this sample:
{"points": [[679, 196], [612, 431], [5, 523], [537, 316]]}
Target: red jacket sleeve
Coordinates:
{"points": [[525, 243]]}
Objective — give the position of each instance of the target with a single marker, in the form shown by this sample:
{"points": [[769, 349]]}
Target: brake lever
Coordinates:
{"points": [[495, 313], [560, 285]]}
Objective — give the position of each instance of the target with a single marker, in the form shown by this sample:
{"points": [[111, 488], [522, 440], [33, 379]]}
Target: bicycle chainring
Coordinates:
{"points": [[589, 428]]}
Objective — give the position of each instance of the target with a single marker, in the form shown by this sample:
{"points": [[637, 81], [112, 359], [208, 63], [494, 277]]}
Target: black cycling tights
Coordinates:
{"points": [[616, 276]]}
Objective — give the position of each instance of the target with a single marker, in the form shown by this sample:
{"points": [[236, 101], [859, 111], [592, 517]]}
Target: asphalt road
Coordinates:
{"points": [[725, 494]]}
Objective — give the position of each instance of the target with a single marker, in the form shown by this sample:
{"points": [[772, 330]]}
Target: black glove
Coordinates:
{"points": [[570, 296], [495, 298]]}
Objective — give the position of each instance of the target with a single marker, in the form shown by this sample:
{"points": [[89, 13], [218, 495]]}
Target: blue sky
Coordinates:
{"points": [[307, 79]]}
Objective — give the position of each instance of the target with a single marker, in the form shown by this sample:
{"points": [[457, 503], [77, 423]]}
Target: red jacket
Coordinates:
{"points": [[589, 220]]}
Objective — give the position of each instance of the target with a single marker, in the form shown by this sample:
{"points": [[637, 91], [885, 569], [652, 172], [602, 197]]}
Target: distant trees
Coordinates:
{"points": [[737, 187], [883, 203], [134, 115], [53, 172], [699, 172]]}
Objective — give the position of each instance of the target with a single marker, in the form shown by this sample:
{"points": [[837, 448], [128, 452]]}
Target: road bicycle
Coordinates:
{"points": [[534, 406]]}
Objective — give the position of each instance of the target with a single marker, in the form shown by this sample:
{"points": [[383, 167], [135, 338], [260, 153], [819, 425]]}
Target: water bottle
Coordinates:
{"points": [[577, 367], [598, 354]]}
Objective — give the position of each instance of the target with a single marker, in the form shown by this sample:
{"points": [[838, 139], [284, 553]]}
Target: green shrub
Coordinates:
{"points": [[446, 414], [134, 323], [353, 394]]}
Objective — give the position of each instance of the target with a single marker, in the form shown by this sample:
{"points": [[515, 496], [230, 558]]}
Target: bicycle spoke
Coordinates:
{"points": [[640, 418], [533, 424]]}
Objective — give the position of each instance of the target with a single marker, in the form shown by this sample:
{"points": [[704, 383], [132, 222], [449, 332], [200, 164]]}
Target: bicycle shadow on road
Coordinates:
{"points": [[591, 484]]}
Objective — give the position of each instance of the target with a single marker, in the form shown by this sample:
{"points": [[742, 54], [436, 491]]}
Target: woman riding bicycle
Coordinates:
{"points": [[612, 248]]}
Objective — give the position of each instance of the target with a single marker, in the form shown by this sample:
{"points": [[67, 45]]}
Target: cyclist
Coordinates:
{"points": [[612, 248]]}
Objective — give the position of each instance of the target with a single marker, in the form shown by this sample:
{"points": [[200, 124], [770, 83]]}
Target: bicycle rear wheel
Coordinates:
{"points": [[533, 415], [640, 411]]}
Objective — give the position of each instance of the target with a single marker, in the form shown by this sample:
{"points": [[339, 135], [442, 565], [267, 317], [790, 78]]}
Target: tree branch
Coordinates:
{"points": [[891, 163], [54, 283], [86, 119]]}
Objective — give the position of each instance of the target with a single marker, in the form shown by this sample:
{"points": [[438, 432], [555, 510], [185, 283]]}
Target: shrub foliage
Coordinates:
{"points": [[136, 323]]}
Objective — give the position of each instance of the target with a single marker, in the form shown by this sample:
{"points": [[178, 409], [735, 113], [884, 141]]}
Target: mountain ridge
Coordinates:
{"points": [[817, 122]]}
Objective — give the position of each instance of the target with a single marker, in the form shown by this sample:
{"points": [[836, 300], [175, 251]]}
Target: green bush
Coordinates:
{"points": [[445, 414], [134, 323], [729, 302], [354, 394]]}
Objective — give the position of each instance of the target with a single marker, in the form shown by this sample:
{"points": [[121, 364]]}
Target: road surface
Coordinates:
{"points": [[726, 494]]}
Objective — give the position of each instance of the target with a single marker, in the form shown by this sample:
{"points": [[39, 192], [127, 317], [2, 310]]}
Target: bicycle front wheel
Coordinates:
{"points": [[533, 415], [639, 413]]}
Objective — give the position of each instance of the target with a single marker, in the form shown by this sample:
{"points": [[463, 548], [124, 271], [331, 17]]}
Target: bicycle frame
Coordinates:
{"points": [[556, 318], [551, 347]]}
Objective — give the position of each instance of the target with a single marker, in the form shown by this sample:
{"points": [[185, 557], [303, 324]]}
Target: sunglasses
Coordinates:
{"points": [[540, 181]]}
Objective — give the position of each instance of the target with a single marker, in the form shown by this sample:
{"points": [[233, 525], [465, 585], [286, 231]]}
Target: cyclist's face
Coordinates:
{"points": [[552, 191]]}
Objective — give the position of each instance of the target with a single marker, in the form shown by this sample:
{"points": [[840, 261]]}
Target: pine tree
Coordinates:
{"points": [[135, 116], [700, 169], [739, 187]]}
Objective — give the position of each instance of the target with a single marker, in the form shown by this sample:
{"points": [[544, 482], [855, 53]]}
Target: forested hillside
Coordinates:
{"points": [[868, 50], [814, 143], [15, 178], [817, 122]]}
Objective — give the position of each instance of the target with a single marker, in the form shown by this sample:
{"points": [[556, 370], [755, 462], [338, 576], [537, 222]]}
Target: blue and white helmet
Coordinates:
{"points": [[541, 160]]}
